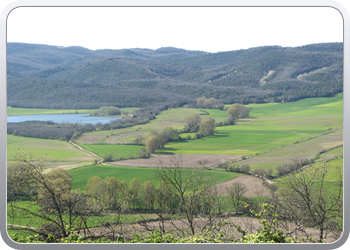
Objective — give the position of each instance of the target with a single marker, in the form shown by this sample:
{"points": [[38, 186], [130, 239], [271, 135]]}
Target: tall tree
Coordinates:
{"points": [[236, 192], [233, 111], [67, 209], [152, 143], [135, 191], [149, 194], [188, 183], [308, 200], [192, 122], [207, 126]]}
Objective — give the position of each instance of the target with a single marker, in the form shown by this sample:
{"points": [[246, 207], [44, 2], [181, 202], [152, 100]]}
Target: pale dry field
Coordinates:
{"points": [[188, 160], [254, 186]]}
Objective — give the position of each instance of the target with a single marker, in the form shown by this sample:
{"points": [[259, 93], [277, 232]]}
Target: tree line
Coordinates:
{"points": [[105, 111], [71, 131], [186, 199]]}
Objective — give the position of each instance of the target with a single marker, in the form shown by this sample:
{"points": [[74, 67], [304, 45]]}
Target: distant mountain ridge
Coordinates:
{"points": [[45, 76]]}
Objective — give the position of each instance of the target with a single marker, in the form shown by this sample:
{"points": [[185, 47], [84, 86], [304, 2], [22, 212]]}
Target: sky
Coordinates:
{"points": [[210, 29]]}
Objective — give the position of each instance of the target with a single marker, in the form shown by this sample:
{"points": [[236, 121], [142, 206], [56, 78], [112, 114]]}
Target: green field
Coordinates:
{"points": [[54, 150], [307, 107], [81, 175], [29, 111], [27, 220], [270, 125], [121, 150], [309, 148], [333, 167], [169, 118]]}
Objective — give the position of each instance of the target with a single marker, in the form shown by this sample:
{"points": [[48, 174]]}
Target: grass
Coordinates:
{"points": [[121, 150], [334, 169], [169, 118], [309, 148], [306, 107], [30, 111], [270, 125], [240, 140], [81, 175], [25, 219], [54, 150]]}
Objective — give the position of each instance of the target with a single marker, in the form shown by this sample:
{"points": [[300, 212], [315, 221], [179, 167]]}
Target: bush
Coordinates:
{"points": [[144, 153], [198, 136], [245, 168], [109, 157]]}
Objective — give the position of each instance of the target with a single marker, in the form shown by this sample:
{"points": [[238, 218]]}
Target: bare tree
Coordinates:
{"points": [[212, 210], [162, 202], [65, 209], [236, 191], [189, 184], [308, 199]]}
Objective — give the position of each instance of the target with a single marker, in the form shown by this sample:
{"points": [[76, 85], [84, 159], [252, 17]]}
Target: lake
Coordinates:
{"points": [[59, 118]]}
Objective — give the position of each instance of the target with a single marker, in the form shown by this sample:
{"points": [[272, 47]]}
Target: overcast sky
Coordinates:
{"points": [[207, 29]]}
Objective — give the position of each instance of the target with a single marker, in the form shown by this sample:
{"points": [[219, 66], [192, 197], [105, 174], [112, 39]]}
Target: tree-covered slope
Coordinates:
{"points": [[59, 77]]}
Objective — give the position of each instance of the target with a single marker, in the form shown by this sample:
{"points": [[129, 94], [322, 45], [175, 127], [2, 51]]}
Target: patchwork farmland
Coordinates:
{"points": [[271, 136]]}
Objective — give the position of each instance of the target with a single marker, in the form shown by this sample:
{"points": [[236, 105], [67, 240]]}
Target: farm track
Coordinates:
{"points": [[89, 152]]}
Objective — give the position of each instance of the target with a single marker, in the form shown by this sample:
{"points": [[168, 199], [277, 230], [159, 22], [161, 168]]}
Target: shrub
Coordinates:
{"points": [[109, 157], [245, 168], [144, 153], [198, 136]]}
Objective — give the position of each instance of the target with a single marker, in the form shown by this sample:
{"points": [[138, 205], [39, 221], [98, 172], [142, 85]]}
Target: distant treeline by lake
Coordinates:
{"points": [[66, 130]]}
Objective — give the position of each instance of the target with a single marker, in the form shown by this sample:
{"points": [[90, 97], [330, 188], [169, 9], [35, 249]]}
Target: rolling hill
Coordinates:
{"points": [[43, 76]]}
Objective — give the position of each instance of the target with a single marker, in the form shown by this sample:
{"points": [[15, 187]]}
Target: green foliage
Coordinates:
{"points": [[271, 125], [192, 123], [105, 111], [152, 143], [207, 126]]}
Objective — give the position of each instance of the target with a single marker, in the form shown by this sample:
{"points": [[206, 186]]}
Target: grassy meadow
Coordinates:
{"points": [[334, 170], [269, 125], [30, 111], [52, 150], [81, 175], [278, 126], [272, 135], [92, 221], [117, 149], [284, 127], [169, 118]]}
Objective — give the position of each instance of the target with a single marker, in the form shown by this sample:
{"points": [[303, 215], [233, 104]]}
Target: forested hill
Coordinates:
{"points": [[44, 76]]}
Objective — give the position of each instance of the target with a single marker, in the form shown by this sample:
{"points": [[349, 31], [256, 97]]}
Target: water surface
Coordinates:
{"points": [[60, 118]]}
